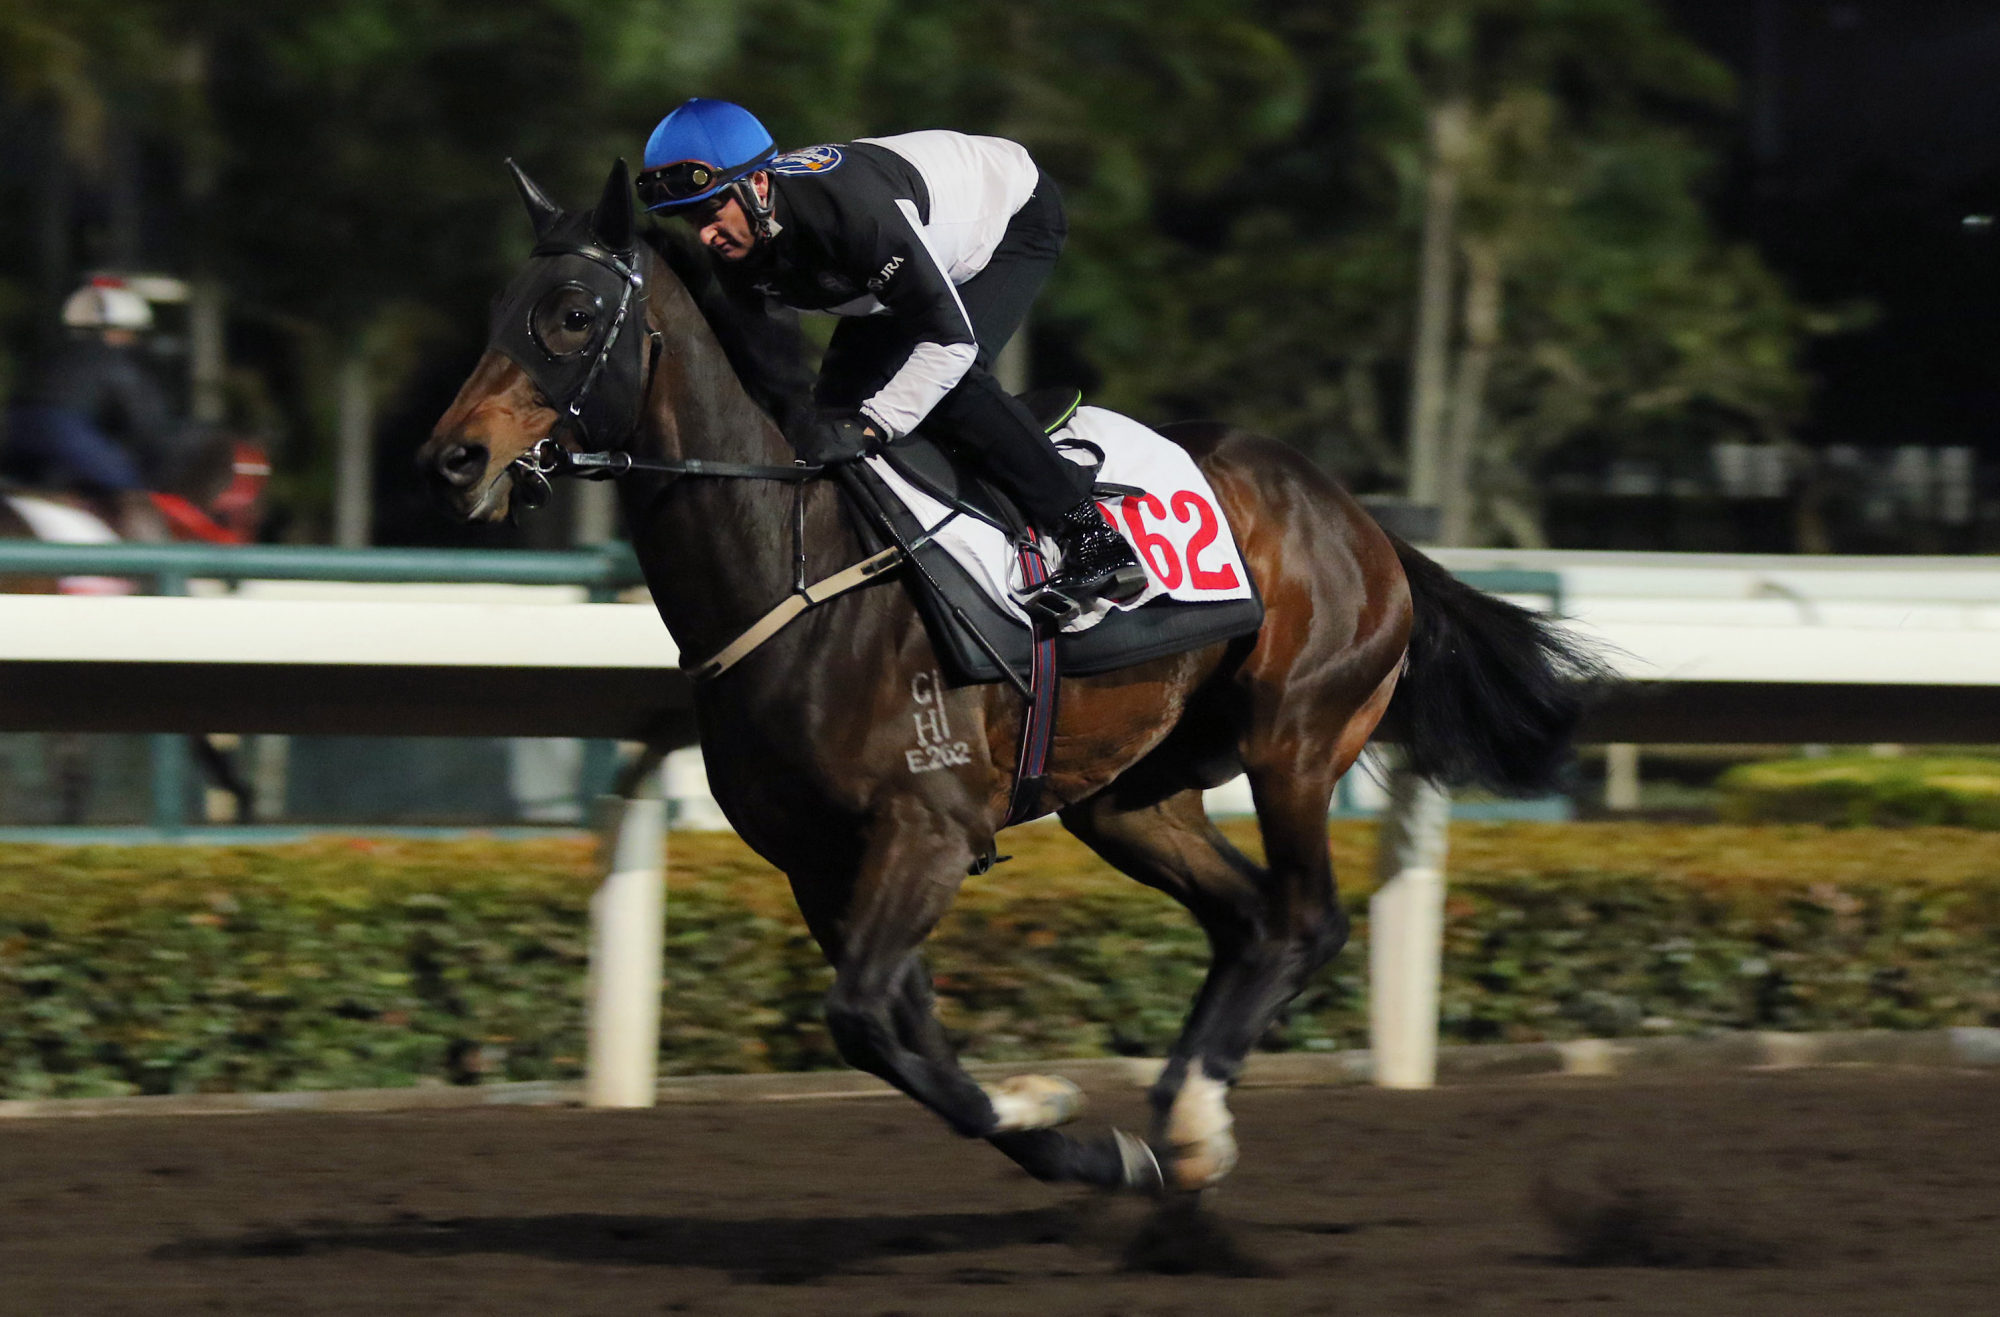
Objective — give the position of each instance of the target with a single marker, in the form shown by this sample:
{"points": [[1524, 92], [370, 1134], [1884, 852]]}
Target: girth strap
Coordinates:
{"points": [[790, 607]]}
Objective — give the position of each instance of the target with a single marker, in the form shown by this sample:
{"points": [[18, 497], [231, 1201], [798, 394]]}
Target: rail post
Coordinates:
{"points": [[1406, 933], [628, 951], [168, 752]]}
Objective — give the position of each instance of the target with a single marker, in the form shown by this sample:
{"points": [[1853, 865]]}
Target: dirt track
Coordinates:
{"points": [[1809, 1192]]}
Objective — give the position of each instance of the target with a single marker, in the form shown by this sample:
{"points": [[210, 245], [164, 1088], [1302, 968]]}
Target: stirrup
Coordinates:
{"points": [[1049, 606], [1053, 604], [1122, 584]]}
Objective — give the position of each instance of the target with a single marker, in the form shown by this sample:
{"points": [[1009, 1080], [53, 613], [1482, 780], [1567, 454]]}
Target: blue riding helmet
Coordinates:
{"points": [[698, 150]]}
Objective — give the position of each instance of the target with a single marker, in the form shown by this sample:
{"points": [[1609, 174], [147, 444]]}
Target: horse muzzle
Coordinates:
{"points": [[459, 466], [463, 478]]}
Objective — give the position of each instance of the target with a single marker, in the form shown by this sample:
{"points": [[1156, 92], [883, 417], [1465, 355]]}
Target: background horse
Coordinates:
{"points": [[214, 491], [805, 740]]}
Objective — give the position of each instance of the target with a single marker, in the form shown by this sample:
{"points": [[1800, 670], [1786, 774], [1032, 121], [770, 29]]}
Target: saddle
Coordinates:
{"points": [[938, 467], [969, 630]]}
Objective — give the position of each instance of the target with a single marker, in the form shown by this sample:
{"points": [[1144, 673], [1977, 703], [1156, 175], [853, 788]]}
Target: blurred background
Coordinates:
{"points": [[1706, 275], [1678, 316]]}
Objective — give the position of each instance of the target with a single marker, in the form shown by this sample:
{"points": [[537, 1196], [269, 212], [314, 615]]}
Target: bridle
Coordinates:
{"points": [[535, 470], [550, 459], [630, 282]]}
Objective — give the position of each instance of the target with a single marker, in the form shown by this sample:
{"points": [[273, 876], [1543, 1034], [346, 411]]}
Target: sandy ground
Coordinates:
{"points": [[1783, 1192]]}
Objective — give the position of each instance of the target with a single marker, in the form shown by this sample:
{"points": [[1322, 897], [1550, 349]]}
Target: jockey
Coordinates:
{"points": [[931, 245], [88, 417]]}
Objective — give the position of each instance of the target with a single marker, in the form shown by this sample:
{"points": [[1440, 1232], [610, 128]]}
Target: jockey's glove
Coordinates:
{"points": [[834, 437]]}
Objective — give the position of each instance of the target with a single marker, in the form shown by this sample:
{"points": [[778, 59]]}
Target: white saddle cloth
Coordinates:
{"points": [[1176, 527], [59, 523]]}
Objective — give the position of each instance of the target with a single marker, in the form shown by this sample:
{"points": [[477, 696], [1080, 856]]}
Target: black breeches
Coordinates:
{"points": [[982, 416], [978, 413], [998, 297]]}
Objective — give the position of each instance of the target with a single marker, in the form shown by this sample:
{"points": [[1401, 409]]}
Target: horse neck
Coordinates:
{"points": [[718, 553]]}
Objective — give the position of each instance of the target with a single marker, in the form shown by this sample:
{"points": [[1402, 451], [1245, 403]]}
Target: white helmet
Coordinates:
{"points": [[107, 304]]}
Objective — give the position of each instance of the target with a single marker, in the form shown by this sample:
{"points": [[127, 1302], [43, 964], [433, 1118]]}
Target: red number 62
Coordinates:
{"points": [[1202, 578], [1155, 548]]}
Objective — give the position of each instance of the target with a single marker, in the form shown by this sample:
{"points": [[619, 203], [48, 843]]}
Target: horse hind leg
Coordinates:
{"points": [[1172, 846], [1270, 927], [1297, 926]]}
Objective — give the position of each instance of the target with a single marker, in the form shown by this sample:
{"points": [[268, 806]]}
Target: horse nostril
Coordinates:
{"points": [[462, 464]]}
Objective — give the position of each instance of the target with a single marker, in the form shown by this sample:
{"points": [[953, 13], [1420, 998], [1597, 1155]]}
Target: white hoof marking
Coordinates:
{"points": [[1033, 1102], [1200, 1133]]}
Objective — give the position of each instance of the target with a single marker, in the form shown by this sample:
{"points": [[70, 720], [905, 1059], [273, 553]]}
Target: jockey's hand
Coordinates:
{"points": [[835, 437]]}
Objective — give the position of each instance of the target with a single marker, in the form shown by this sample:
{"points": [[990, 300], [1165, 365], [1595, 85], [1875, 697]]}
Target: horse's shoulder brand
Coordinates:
{"points": [[808, 160]]}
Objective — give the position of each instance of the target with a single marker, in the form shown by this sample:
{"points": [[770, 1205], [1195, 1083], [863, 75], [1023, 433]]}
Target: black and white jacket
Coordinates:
{"points": [[892, 226]]}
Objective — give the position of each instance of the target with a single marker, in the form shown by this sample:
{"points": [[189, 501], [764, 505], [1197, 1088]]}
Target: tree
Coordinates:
{"points": [[1270, 200], [1563, 204], [1484, 239]]}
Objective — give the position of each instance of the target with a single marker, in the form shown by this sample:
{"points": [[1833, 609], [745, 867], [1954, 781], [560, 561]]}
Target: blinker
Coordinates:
{"points": [[566, 320], [584, 262]]}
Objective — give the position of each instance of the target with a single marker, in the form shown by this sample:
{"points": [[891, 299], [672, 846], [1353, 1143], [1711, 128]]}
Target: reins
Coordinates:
{"points": [[548, 460]]}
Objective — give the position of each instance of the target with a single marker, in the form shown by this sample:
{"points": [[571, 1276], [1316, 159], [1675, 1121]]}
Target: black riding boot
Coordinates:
{"points": [[1097, 563]]}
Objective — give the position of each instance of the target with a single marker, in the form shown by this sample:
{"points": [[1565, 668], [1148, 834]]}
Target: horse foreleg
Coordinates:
{"points": [[880, 1014], [1027, 1108], [1021, 1102]]}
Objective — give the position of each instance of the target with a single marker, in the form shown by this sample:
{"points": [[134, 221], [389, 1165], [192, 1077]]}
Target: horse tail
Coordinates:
{"points": [[1491, 693]]}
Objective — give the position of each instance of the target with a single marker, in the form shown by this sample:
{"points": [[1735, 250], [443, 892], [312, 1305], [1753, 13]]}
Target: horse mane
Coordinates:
{"points": [[760, 339], [678, 248]]}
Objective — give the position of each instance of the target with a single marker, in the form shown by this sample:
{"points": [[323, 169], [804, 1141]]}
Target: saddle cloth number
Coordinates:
{"points": [[1174, 539]]}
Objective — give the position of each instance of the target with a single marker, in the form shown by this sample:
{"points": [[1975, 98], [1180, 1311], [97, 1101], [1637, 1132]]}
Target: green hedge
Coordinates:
{"points": [[357, 964], [1856, 790]]}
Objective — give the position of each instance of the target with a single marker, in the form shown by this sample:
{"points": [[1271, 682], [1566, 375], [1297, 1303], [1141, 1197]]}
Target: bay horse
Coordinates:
{"points": [[805, 739]]}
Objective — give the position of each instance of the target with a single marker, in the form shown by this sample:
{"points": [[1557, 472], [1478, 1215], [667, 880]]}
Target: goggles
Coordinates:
{"points": [[676, 184], [684, 181]]}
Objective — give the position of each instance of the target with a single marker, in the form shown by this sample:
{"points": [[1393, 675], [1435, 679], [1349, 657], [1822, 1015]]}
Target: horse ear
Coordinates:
{"points": [[614, 222], [541, 210]]}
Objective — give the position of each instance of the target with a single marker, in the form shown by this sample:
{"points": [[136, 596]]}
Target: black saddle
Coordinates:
{"points": [[939, 467], [1123, 638]]}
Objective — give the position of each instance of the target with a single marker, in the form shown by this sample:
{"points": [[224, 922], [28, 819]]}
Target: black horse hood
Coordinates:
{"points": [[574, 317]]}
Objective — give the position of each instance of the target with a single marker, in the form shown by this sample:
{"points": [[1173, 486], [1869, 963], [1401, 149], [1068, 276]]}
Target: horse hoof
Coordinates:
{"points": [[1199, 1134], [1140, 1167], [1033, 1102], [1197, 1166]]}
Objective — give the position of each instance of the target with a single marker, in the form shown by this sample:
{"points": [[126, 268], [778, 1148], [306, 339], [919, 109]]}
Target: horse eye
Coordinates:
{"points": [[576, 318]]}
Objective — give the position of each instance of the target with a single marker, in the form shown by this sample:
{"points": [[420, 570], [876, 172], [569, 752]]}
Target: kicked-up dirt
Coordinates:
{"points": [[1822, 1192]]}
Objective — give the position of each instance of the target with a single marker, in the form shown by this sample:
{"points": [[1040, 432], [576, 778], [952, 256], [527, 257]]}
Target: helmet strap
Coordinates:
{"points": [[763, 219]]}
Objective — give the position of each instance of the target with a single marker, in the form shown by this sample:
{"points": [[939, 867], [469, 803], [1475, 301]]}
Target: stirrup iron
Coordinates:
{"points": [[1048, 606]]}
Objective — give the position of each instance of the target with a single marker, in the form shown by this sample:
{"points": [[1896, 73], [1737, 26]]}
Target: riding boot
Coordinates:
{"points": [[1097, 563]]}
